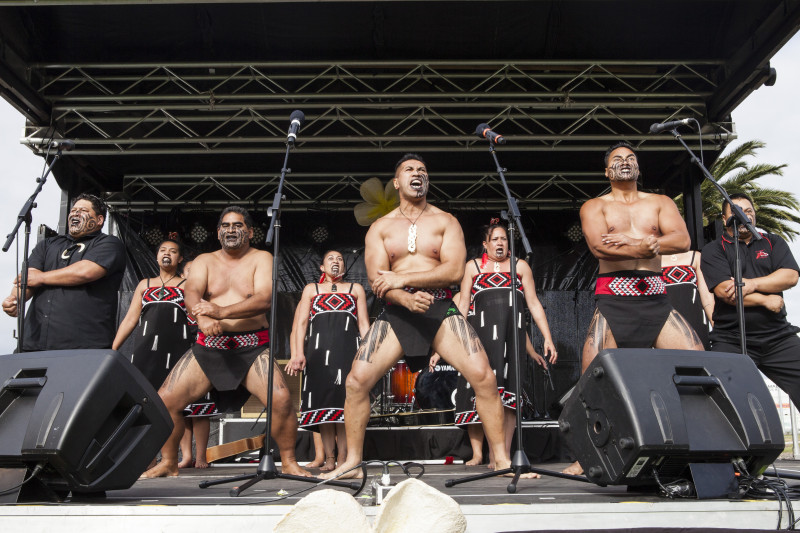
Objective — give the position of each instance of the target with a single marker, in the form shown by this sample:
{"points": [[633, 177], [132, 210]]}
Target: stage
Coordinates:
{"points": [[177, 505]]}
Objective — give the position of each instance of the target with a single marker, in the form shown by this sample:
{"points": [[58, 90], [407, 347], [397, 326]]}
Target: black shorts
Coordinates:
{"points": [[416, 331]]}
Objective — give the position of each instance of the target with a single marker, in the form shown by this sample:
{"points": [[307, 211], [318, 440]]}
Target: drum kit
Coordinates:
{"points": [[404, 397]]}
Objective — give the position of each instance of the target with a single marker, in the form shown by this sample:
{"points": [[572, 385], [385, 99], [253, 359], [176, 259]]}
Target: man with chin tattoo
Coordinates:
{"points": [[413, 255], [228, 292], [73, 280], [626, 230]]}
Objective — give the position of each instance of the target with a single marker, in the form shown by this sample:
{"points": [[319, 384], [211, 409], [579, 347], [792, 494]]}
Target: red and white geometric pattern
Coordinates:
{"points": [[233, 342], [172, 295], [488, 281], [321, 416], [679, 274], [342, 302], [631, 286], [493, 280]]}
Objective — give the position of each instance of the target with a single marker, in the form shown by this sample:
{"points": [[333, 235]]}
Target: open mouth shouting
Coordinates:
{"points": [[166, 260], [625, 171], [335, 270], [419, 184]]}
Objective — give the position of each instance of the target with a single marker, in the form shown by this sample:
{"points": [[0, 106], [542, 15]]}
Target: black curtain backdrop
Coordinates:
{"points": [[564, 274]]}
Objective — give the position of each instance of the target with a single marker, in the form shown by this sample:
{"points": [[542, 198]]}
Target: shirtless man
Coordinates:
{"points": [[412, 255], [228, 292], [626, 230]]}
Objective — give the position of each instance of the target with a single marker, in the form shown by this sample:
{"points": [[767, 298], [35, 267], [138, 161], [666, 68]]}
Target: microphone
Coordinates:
{"points": [[64, 145], [671, 125], [296, 120], [485, 132]]}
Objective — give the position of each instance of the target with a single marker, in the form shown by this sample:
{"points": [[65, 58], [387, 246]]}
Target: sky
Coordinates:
{"points": [[769, 115]]}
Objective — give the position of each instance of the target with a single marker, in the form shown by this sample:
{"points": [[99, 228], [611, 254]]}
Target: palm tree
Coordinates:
{"points": [[775, 209]]}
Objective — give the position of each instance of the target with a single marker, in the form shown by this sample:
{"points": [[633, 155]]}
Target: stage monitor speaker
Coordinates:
{"points": [[638, 413], [85, 420]]}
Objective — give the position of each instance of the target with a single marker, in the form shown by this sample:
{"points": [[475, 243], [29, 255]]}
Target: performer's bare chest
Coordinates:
{"points": [[403, 244]]}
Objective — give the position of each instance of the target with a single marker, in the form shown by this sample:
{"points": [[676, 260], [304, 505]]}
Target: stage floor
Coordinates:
{"points": [[178, 505]]}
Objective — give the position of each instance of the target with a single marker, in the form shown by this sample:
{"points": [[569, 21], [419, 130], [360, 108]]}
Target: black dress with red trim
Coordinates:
{"points": [[490, 316], [681, 284], [165, 333], [331, 344]]}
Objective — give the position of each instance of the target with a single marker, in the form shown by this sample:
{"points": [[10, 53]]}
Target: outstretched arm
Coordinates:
{"points": [[128, 323], [706, 297], [299, 326], [536, 309], [361, 309], [464, 297]]}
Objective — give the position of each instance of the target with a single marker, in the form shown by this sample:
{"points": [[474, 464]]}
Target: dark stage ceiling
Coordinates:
{"points": [[185, 103]]}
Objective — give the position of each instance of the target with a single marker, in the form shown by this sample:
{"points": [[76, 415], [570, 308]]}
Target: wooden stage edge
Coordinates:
{"points": [[177, 505]]}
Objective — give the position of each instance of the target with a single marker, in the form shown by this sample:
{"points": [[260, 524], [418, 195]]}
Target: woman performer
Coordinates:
{"points": [[485, 300], [166, 332], [687, 291], [336, 316]]}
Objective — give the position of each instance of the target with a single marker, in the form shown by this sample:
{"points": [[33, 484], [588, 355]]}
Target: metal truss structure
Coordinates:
{"points": [[185, 134]]}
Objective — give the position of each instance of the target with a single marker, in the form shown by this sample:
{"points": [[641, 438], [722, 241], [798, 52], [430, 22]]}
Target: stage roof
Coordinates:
{"points": [[188, 103]]}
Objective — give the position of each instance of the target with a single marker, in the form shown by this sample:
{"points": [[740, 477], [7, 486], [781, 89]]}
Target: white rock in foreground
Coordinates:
{"points": [[414, 507], [325, 511]]}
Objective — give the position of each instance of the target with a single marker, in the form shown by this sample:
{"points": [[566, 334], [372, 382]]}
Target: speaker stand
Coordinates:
{"points": [[24, 490]]}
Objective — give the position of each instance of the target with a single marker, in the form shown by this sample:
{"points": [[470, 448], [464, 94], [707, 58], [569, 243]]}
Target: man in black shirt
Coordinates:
{"points": [[768, 269], [73, 280]]}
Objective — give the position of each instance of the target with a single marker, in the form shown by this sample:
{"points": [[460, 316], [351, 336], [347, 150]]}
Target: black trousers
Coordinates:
{"points": [[778, 359]]}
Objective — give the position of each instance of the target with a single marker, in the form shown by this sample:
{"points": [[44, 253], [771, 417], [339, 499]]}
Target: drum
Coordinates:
{"points": [[436, 390], [402, 383]]}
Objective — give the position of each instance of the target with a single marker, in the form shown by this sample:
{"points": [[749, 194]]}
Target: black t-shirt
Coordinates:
{"points": [[758, 259], [80, 316]]}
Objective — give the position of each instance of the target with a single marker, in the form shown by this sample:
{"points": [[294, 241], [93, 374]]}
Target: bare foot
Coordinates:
{"points": [[200, 464], [476, 460], [490, 466], [352, 474], [186, 463], [574, 469], [330, 464], [294, 469], [162, 469], [507, 464], [316, 463]]}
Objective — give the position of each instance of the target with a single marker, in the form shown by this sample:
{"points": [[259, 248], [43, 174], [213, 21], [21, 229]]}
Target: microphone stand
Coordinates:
{"points": [[519, 463], [738, 218], [266, 466], [26, 216]]}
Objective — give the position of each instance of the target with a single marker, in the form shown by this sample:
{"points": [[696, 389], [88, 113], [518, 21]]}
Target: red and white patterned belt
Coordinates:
{"points": [[438, 294], [650, 285], [235, 341]]}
